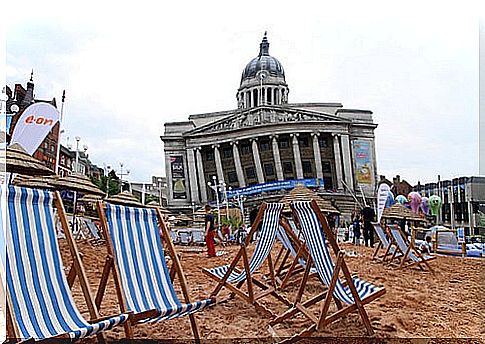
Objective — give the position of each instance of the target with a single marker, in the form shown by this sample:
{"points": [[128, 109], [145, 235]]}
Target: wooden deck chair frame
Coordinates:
{"points": [[405, 256], [250, 297], [323, 318], [76, 271], [111, 266], [387, 253]]}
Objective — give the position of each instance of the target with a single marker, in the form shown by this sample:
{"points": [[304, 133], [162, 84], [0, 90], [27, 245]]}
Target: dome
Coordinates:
{"points": [[263, 62]]}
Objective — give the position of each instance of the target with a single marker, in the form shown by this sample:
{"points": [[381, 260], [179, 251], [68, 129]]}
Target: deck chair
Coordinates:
{"points": [[198, 237], [385, 244], [410, 256], [232, 278], [96, 239], [40, 303], [185, 237], [349, 295], [136, 259]]}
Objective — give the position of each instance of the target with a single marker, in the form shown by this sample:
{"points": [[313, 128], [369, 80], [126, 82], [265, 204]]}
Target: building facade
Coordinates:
{"points": [[268, 141]]}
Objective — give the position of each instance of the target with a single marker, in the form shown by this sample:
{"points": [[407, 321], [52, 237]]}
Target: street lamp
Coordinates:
{"points": [[215, 187], [159, 185], [107, 169], [122, 174]]}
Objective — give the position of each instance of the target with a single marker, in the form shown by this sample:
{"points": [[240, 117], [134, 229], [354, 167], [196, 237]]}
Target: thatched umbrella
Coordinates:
{"points": [[125, 198], [46, 182], [90, 198], [17, 160], [398, 212], [301, 193], [156, 205], [79, 183]]}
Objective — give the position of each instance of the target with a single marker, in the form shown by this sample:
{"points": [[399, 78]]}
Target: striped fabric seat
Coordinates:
{"points": [[41, 302], [383, 238], [403, 246], [286, 242], [264, 245], [144, 274], [319, 252]]}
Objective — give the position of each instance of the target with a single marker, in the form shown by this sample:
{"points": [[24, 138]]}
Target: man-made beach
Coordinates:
{"points": [[448, 304]]}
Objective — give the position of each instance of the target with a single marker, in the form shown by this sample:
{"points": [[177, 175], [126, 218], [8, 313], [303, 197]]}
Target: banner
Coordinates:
{"points": [[382, 194], [178, 177], [363, 172], [273, 186], [33, 126]]}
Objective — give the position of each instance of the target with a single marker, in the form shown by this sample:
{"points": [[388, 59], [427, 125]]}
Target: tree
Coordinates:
{"points": [[111, 180]]}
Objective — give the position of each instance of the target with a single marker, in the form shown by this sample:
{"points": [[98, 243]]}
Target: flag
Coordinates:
{"points": [[382, 193]]}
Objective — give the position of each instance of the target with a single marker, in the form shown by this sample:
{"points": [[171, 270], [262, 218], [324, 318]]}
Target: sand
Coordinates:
{"points": [[447, 305]]}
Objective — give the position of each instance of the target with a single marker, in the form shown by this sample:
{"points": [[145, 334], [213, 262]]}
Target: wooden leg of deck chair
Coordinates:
{"points": [[303, 281], [376, 250], [71, 276], [405, 257], [104, 281], [294, 264], [271, 270], [331, 287], [282, 265], [278, 256], [195, 330], [248, 274]]}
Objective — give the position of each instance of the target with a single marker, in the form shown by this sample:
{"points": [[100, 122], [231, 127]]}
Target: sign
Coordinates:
{"points": [[363, 170], [382, 194], [273, 186], [460, 233], [33, 126], [178, 177]]}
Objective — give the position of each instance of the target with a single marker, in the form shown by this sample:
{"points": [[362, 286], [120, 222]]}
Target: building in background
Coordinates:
{"points": [[267, 145], [156, 189]]}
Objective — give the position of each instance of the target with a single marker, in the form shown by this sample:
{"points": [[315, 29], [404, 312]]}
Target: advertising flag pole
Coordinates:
{"points": [[58, 154]]}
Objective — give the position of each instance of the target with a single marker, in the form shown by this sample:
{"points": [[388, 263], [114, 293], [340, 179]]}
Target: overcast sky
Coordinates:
{"points": [[128, 69]]}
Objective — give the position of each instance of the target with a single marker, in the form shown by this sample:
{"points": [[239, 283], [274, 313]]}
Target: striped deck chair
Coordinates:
{"points": [[410, 256], [384, 243], [232, 278], [136, 258], [349, 295], [40, 303]]}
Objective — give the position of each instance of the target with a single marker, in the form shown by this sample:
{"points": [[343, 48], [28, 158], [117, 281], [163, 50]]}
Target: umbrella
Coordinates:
{"points": [[301, 193], [46, 182], [398, 211], [155, 205], [17, 160], [125, 198], [90, 198], [78, 182]]}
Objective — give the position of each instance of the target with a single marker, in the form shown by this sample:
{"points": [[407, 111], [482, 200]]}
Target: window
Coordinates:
{"points": [[250, 173], [328, 183], [284, 143], [287, 167], [323, 142], [53, 148], [245, 149], [210, 155], [304, 142], [264, 146], [268, 169], [232, 176], [307, 167], [227, 152], [326, 167]]}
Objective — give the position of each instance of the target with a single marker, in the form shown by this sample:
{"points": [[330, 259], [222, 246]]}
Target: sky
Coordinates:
{"points": [[129, 68]]}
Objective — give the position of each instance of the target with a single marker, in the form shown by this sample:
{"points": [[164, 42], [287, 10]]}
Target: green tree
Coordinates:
{"points": [[111, 180]]}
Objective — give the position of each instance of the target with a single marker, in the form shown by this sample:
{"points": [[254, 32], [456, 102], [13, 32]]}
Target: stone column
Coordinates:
{"points": [[257, 161], [200, 171], [217, 158], [194, 190], [277, 158], [338, 161], [317, 155], [237, 163], [296, 154], [347, 158]]}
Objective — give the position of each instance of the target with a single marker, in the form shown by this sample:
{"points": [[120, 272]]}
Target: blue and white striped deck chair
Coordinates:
{"points": [[410, 256], [383, 243], [349, 296], [232, 278], [140, 269], [40, 303]]}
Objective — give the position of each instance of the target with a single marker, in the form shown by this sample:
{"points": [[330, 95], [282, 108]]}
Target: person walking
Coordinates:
{"points": [[356, 229], [210, 231], [368, 215]]}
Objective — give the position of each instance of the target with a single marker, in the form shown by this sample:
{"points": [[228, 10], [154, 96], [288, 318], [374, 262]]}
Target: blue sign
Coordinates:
{"points": [[274, 186], [460, 233]]}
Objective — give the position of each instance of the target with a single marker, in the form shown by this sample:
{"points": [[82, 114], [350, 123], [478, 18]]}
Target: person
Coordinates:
{"points": [[368, 215], [210, 231], [402, 224], [356, 229], [425, 247]]}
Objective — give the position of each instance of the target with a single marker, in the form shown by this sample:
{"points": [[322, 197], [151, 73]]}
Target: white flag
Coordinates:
{"points": [[382, 193], [33, 126]]}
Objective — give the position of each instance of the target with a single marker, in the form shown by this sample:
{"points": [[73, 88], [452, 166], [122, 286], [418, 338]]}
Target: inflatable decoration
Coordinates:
{"points": [[390, 200], [414, 200], [401, 199], [434, 204], [425, 205]]}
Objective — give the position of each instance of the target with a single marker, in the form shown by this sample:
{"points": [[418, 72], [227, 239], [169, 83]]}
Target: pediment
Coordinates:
{"points": [[261, 116]]}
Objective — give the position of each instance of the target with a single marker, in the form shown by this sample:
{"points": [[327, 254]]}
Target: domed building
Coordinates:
{"points": [[266, 146]]}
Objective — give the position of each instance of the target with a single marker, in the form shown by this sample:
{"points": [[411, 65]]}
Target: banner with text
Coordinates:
{"points": [[273, 186], [363, 165], [33, 126], [178, 177]]}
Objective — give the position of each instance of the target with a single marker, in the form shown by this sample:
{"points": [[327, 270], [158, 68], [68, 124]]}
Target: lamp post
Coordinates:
{"points": [[193, 212], [122, 174], [107, 169], [215, 187], [58, 153], [158, 185]]}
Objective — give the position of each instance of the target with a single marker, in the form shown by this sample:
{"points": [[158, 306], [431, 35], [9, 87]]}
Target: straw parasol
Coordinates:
{"points": [[183, 217], [17, 160], [398, 211], [45, 182], [154, 204], [125, 198], [78, 182], [90, 198], [301, 193]]}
